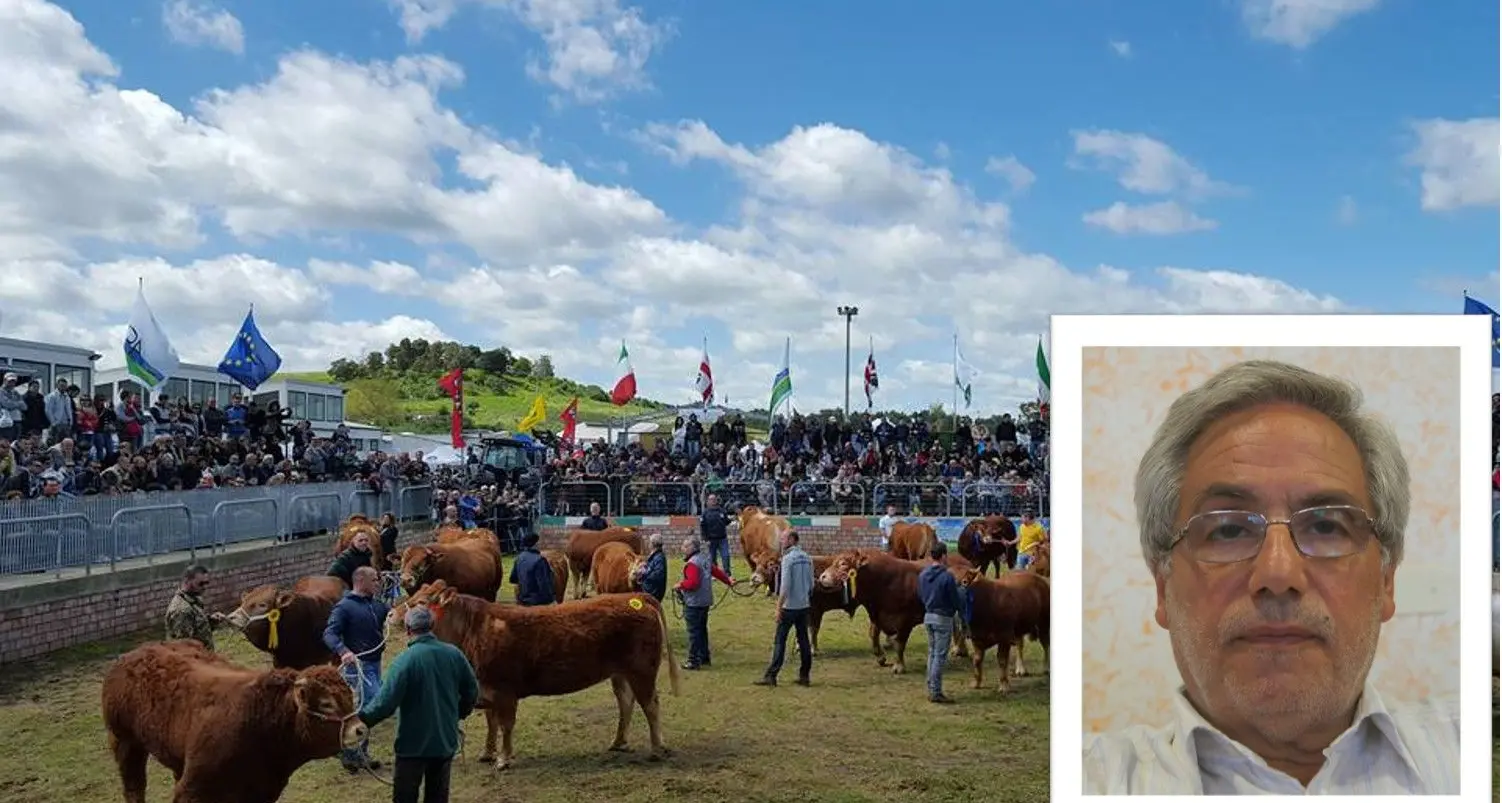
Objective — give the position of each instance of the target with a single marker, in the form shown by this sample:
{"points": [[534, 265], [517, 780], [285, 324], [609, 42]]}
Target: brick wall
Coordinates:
{"points": [[820, 539], [52, 615]]}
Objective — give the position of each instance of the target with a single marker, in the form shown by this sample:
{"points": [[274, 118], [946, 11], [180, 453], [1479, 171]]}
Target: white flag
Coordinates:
{"points": [[964, 373], [149, 355], [704, 383]]}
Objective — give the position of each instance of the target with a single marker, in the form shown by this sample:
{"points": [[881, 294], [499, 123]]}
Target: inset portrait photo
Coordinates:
{"points": [[1277, 530]]}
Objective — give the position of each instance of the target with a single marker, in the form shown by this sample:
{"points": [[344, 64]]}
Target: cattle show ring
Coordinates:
{"points": [[569, 674]]}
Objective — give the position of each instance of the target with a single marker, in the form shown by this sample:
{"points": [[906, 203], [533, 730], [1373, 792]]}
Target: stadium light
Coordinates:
{"points": [[849, 313]]}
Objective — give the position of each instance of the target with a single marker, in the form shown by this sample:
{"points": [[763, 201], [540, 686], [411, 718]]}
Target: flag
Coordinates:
{"points": [[250, 360], [782, 384], [1474, 307], [871, 378], [1043, 374], [534, 416], [625, 387], [964, 373], [452, 383], [149, 355], [570, 419], [704, 384]]}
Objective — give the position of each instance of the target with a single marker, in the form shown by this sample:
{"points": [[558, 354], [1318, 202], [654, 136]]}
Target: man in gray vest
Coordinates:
{"points": [[695, 592]]}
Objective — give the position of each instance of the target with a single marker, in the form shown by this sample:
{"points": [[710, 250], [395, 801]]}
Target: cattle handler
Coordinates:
{"points": [[652, 577], [696, 594], [532, 575], [1028, 539], [186, 617], [941, 602], [432, 686], [354, 556], [356, 632]]}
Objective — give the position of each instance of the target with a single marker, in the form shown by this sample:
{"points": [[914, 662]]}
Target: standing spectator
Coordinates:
{"points": [[431, 687], [1028, 539], [60, 411], [652, 577], [214, 419], [355, 557], [698, 596], [34, 420], [388, 534], [714, 529], [941, 599], [795, 585], [356, 633], [186, 616], [237, 418], [885, 523], [595, 521], [532, 575], [12, 409]]}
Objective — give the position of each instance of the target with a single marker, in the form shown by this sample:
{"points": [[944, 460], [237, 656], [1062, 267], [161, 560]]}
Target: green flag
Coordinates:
{"points": [[1043, 384]]}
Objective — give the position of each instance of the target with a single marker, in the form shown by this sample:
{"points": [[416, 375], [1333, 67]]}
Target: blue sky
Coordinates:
{"points": [[735, 171]]}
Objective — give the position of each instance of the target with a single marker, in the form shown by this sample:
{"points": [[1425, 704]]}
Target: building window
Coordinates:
{"points": [[106, 391], [134, 388], [265, 399], [335, 409], [225, 393], [175, 389], [27, 371], [75, 375], [297, 402], [200, 392], [315, 407]]}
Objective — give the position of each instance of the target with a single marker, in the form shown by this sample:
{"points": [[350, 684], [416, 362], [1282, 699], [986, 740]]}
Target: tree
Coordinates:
{"points": [[494, 361], [342, 370], [1029, 410], [542, 367], [372, 401], [521, 366], [375, 362]]}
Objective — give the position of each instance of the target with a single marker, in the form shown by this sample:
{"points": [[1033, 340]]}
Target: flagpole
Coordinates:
{"points": [[954, 422]]}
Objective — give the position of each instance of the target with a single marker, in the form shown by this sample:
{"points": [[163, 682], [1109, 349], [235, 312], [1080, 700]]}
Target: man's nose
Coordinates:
{"points": [[1279, 567]]}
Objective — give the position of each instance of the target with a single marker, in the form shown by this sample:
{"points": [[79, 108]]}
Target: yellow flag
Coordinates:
{"points": [[535, 416]]}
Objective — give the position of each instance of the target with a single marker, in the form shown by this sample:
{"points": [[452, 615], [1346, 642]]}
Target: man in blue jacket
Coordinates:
{"points": [[356, 633], [652, 577], [532, 575], [941, 599], [714, 531], [433, 687]]}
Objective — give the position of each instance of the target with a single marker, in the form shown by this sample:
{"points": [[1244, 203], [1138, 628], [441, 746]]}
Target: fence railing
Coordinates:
{"points": [[626, 497], [98, 532]]}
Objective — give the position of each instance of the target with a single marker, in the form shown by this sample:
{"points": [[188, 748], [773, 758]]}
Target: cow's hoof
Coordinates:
{"points": [[620, 748], [502, 764], [899, 670], [1003, 689], [1021, 672], [659, 754], [487, 758]]}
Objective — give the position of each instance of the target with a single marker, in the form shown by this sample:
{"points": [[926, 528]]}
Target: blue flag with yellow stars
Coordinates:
{"points": [[1474, 307], [250, 359]]}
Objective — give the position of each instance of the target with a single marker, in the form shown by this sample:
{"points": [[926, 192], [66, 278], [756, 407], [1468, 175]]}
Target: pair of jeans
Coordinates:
{"points": [[719, 554], [364, 679], [797, 621], [696, 619], [940, 633], [429, 774]]}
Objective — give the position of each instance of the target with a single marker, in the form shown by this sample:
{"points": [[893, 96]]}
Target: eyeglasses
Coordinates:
{"points": [[1232, 536]]}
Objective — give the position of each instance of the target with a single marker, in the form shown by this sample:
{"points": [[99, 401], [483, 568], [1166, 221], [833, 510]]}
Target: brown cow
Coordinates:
{"points": [[548, 650], [1040, 564], [558, 562], [1005, 611], [473, 566], [911, 540], [301, 615], [887, 588], [228, 734], [982, 542], [450, 534], [760, 531], [820, 600], [354, 525], [581, 548], [610, 568]]}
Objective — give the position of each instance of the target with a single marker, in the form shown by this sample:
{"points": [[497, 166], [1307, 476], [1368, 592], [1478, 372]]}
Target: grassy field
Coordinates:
{"points": [[858, 734]]}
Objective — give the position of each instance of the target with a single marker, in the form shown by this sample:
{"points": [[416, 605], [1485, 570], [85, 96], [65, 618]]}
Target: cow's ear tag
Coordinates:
{"points": [[635, 604]]}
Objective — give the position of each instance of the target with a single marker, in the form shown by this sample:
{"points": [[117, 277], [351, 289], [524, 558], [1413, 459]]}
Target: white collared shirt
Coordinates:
{"points": [[1407, 750]]}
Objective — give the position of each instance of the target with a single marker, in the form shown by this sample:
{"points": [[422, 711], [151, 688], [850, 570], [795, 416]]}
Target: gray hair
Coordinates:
{"points": [[692, 545], [418, 619], [1160, 475], [655, 540]]}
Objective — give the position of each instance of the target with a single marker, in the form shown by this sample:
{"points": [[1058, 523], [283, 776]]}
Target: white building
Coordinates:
{"points": [[48, 362]]}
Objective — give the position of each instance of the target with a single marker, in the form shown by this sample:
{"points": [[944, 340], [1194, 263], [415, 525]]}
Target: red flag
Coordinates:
{"points": [[570, 419], [452, 383]]}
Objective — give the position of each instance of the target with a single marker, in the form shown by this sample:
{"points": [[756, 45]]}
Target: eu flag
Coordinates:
{"points": [[250, 359], [1474, 307]]}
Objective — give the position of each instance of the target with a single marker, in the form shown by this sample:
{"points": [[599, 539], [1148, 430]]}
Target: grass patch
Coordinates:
{"points": [[859, 734]]}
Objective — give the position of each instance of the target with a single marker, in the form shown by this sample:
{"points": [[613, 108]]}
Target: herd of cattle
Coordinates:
{"points": [[230, 733]]}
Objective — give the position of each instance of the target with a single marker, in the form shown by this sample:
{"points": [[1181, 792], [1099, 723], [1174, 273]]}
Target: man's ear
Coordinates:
{"points": [[1160, 611], [1389, 588]]}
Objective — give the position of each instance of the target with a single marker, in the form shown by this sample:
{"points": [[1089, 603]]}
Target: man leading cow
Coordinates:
{"points": [[356, 633], [696, 595]]}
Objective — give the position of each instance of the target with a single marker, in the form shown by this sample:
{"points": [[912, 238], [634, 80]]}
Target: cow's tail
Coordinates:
{"points": [[667, 647]]}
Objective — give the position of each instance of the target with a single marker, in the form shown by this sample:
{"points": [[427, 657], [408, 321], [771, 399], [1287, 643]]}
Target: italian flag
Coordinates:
{"points": [[625, 387]]}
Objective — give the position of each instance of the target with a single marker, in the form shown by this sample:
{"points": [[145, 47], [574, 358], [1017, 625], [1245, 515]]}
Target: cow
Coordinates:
{"points": [[227, 733], [982, 541], [358, 523], [288, 625], [821, 600], [473, 566], [610, 568], [450, 534], [549, 650], [581, 547], [887, 588], [558, 562], [911, 540], [759, 531], [1004, 611], [1040, 559]]}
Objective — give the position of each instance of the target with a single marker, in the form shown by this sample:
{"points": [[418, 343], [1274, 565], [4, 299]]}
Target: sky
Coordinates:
{"points": [[557, 176]]}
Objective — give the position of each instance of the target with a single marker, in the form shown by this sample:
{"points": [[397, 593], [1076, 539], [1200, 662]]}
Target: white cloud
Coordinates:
{"points": [[203, 25], [1166, 217], [1298, 23], [1122, 48], [1143, 164], [1458, 162], [1346, 212], [1012, 171], [595, 48]]}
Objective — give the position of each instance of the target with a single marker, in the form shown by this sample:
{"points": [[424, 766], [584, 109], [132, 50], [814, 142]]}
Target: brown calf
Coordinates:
{"points": [[911, 540], [581, 548], [983, 542], [296, 617], [610, 568], [473, 566], [1004, 612]]}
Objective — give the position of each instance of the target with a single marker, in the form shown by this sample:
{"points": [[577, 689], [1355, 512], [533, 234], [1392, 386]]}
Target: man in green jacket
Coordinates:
{"points": [[433, 686]]}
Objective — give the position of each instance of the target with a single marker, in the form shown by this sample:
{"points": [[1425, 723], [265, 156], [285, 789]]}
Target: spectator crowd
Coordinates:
{"points": [[65, 443]]}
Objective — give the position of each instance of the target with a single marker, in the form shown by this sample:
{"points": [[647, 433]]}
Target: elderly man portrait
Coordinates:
{"points": [[1271, 510]]}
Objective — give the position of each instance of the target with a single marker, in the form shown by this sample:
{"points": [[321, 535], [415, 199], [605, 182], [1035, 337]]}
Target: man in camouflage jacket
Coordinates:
{"points": [[187, 618]]}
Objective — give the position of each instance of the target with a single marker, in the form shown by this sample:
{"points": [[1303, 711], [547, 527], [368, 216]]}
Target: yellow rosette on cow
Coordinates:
{"points": [[271, 618]]}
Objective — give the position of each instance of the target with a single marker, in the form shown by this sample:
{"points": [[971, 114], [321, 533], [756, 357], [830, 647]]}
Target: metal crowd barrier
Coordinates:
{"points": [[50, 535], [802, 498]]}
